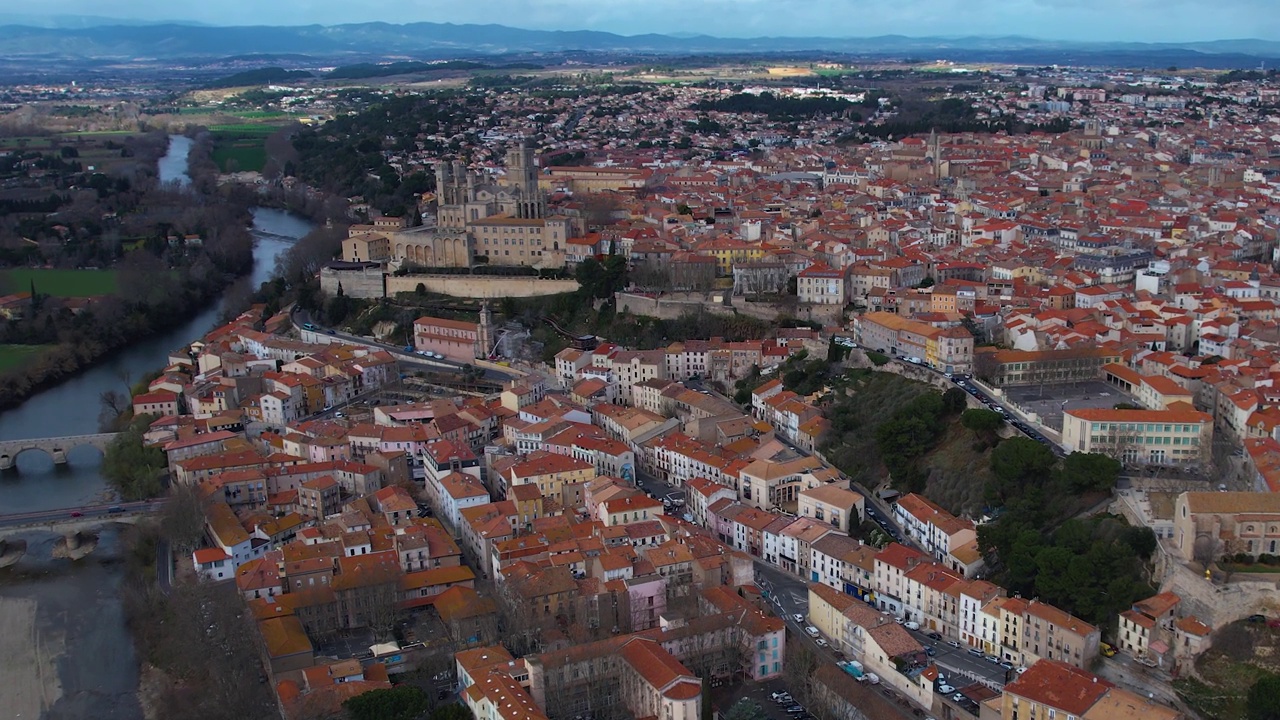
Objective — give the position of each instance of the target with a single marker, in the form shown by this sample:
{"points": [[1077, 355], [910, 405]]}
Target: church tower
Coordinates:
{"points": [[935, 153], [522, 174], [485, 336]]}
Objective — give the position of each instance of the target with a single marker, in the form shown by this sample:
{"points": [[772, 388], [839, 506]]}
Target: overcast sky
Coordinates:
{"points": [[1145, 20]]}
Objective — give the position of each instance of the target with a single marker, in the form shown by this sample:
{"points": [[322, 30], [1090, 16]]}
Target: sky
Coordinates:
{"points": [[1106, 20]]}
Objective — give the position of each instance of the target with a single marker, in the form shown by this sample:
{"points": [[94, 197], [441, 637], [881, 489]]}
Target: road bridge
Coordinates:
{"points": [[55, 447], [76, 518]]}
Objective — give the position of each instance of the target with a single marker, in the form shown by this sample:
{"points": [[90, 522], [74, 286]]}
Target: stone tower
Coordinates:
{"points": [[935, 152], [486, 330], [522, 174]]}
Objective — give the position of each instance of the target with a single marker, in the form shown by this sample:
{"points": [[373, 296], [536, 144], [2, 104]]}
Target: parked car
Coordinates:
{"points": [[976, 652], [76, 513], [934, 635], [821, 642], [776, 695], [1006, 664], [798, 618], [911, 625], [946, 689], [115, 509], [811, 631], [873, 678], [991, 659], [953, 643]]}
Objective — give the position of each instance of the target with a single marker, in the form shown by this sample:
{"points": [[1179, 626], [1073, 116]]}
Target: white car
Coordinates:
{"points": [[798, 618], [822, 642], [911, 625], [811, 631], [946, 689]]}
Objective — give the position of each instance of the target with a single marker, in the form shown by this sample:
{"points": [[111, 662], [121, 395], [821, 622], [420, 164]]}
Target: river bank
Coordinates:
{"points": [[71, 407], [65, 651]]}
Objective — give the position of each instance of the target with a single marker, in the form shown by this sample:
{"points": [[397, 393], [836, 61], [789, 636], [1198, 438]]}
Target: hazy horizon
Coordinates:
{"points": [[1072, 20]]}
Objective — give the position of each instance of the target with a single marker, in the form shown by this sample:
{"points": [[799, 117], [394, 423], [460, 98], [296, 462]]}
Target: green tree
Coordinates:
{"points": [[983, 423], [954, 401], [403, 702], [1016, 461], [131, 467], [745, 709], [1141, 540], [1263, 701], [1085, 472]]}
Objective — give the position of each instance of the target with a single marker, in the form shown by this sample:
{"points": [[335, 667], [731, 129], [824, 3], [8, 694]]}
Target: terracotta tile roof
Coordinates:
{"points": [[1058, 685]]}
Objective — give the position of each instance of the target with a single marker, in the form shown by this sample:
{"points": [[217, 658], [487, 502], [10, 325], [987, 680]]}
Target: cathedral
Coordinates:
{"points": [[478, 220]]}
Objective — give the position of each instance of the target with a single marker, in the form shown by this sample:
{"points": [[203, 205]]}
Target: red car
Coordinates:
{"points": [[77, 513]]}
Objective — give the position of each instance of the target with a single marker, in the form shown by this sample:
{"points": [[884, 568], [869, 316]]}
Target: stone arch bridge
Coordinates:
{"points": [[55, 447]]}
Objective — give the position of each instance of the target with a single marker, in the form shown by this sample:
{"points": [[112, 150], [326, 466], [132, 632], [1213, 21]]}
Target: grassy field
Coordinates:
{"points": [[28, 143], [836, 72], [59, 283], [12, 356], [246, 156], [241, 150], [245, 129], [97, 133]]}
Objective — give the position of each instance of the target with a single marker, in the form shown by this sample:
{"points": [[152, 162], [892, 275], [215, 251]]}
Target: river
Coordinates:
{"points": [[71, 408], [65, 652]]}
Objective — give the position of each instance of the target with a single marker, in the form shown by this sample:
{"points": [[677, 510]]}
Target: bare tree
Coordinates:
{"points": [[305, 258], [799, 670], [113, 404], [382, 609], [1205, 551], [182, 523]]}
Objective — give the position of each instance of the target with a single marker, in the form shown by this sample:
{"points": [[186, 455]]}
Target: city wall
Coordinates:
{"points": [[480, 286], [670, 307], [374, 282]]}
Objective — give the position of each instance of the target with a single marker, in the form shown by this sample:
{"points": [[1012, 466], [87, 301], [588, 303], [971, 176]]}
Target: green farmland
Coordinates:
{"points": [[59, 283], [14, 356], [239, 155]]}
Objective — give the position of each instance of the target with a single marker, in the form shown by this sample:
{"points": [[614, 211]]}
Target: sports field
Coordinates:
{"points": [[59, 283]]}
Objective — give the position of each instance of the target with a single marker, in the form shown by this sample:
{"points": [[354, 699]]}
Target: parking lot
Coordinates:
{"points": [[1049, 401]]}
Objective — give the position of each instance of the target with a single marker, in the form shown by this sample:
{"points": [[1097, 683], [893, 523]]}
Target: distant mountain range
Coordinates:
{"points": [[91, 39]]}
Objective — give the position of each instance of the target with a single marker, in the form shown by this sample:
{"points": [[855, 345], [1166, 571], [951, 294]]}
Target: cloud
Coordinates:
{"points": [[1138, 20]]}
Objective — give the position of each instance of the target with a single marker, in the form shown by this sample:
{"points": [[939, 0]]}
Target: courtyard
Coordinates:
{"points": [[1048, 402]]}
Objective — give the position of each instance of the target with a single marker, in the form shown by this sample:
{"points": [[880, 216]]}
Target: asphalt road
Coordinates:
{"points": [[88, 512], [958, 662]]}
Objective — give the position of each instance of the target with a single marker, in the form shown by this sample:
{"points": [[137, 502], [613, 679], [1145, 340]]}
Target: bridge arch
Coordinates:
{"points": [[57, 448]]}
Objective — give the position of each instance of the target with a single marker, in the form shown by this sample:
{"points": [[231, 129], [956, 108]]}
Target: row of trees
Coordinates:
{"points": [[778, 107], [199, 636]]}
